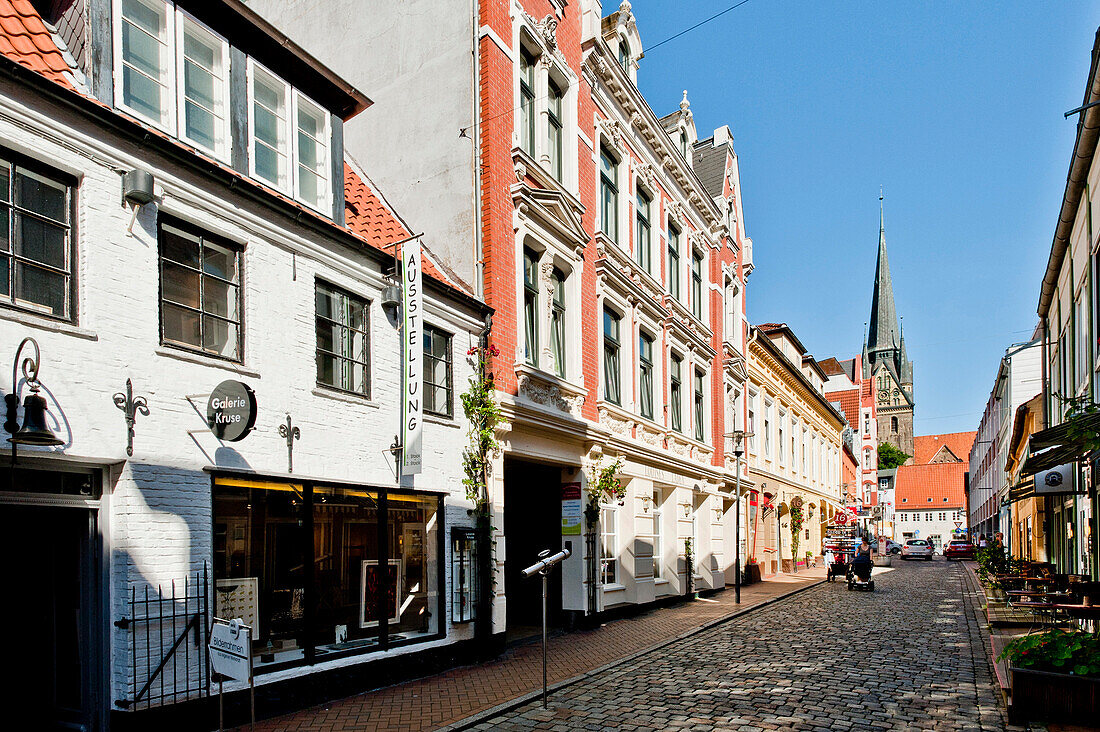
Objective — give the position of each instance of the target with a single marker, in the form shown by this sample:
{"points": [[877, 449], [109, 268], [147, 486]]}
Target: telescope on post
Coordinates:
{"points": [[546, 562]]}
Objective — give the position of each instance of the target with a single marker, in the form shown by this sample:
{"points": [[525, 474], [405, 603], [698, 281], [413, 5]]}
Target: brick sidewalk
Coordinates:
{"points": [[446, 698]]}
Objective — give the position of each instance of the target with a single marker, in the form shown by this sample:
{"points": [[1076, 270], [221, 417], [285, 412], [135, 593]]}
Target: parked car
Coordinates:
{"points": [[917, 549], [892, 547], [959, 549]]}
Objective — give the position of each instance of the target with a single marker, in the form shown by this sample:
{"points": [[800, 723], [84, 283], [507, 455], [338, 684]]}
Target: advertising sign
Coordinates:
{"points": [[1056, 480], [231, 411], [571, 510], [231, 648], [412, 405]]}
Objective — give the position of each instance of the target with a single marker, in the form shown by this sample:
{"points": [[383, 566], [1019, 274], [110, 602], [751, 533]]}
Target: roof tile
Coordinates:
{"points": [[937, 485], [926, 446], [28, 42]]}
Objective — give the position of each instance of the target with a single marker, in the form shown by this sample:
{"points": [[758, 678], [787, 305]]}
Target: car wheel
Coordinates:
{"points": [[871, 586]]}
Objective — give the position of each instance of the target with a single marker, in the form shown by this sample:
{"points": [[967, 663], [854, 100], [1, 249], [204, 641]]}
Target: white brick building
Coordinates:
{"points": [[223, 277]]}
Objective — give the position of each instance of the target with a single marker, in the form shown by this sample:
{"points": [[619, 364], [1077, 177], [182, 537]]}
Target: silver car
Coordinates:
{"points": [[917, 549]]}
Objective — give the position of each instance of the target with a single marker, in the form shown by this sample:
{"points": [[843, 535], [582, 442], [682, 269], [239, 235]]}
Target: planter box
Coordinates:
{"points": [[1043, 695], [883, 560], [751, 574]]}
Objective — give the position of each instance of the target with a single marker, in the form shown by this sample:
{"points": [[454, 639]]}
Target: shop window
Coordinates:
{"points": [[200, 299], [609, 194], [438, 389], [173, 72], [464, 578], [675, 392], [321, 572], [658, 544], [37, 249], [557, 322], [343, 340], [609, 546], [531, 306], [611, 390], [645, 375]]}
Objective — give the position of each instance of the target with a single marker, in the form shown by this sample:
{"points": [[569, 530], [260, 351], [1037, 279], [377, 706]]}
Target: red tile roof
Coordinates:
{"points": [[831, 366], [771, 326], [25, 39], [922, 487], [849, 404], [926, 446]]}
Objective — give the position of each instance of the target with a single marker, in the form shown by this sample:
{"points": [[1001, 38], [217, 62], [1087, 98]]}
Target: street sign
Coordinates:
{"points": [[231, 649]]}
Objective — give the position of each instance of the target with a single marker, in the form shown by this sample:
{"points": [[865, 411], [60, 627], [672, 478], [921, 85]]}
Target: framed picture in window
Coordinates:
{"points": [[373, 581]]}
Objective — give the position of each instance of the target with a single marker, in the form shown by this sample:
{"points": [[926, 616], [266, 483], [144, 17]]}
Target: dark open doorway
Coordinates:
{"points": [[532, 522]]}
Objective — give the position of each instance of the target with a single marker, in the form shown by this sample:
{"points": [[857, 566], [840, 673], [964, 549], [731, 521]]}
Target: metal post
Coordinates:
{"points": [[545, 577], [221, 706], [737, 537], [251, 687]]}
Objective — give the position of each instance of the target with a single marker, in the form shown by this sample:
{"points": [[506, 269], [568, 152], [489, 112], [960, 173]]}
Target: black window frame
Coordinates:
{"points": [[675, 391], [367, 370], [609, 210], [531, 306], [612, 350], [558, 347], [71, 184], [643, 231], [188, 228], [431, 332], [645, 375]]}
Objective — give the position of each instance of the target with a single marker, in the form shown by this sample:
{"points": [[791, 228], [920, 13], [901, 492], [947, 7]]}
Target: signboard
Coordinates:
{"points": [[231, 411], [571, 510], [231, 649], [1056, 480], [412, 405]]}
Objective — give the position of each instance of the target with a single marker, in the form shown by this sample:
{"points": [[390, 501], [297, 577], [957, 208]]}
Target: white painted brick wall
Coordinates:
{"points": [[158, 503]]}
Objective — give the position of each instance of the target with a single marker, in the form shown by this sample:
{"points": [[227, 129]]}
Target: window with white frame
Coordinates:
{"points": [[527, 100], [530, 306], [557, 321], [288, 139], [782, 435], [768, 422], [675, 392], [1081, 345], [609, 194], [751, 429], [805, 451], [658, 545], [645, 375], [697, 284], [609, 545], [173, 72], [643, 251], [554, 125], [700, 408], [611, 376], [674, 261]]}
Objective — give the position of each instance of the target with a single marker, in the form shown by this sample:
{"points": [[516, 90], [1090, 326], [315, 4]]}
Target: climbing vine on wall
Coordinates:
{"points": [[796, 527], [483, 413]]}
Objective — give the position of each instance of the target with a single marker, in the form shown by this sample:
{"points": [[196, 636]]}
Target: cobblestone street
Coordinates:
{"points": [[909, 656]]}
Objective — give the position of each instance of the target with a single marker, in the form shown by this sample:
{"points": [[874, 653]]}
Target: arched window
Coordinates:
{"points": [[624, 55], [894, 425]]}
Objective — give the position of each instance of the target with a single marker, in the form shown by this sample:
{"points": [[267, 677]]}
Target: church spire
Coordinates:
{"points": [[884, 332]]}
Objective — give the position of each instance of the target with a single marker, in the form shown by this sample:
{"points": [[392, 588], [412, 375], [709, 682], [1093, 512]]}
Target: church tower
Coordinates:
{"points": [[884, 358]]}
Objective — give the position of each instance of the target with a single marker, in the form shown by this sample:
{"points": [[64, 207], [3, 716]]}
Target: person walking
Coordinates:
{"points": [[981, 541]]}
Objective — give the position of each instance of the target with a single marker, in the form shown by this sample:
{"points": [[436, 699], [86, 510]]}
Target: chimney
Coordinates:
{"points": [[723, 135]]}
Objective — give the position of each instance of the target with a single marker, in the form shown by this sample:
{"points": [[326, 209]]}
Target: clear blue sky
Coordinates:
{"points": [[954, 108]]}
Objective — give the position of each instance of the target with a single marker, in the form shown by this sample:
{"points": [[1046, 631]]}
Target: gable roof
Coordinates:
{"points": [[849, 403], [927, 487], [25, 39], [831, 366], [927, 447]]}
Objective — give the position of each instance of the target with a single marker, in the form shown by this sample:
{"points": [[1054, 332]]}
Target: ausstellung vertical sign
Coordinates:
{"points": [[412, 406]]}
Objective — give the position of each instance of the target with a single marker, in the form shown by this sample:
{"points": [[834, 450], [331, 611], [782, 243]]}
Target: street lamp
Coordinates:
{"points": [[738, 450], [34, 431]]}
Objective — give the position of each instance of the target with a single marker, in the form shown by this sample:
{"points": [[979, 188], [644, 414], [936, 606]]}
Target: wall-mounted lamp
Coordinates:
{"points": [[34, 430], [686, 508], [137, 190], [646, 503], [391, 302]]}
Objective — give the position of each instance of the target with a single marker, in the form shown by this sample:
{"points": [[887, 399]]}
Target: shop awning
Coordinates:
{"points": [[1056, 445], [1018, 492]]}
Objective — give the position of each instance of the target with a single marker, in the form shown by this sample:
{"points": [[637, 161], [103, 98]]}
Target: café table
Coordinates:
{"points": [[1091, 613]]}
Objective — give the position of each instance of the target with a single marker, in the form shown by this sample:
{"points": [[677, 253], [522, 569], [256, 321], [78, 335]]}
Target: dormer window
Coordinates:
{"points": [[173, 72], [277, 149], [624, 56]]}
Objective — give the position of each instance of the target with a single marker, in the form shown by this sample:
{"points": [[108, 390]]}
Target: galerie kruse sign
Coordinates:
{"points": [[412, 406], [231, 411]]}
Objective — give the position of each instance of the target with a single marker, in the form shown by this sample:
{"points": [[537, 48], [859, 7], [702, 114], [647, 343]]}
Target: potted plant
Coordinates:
{"points": [[1055, 676], [751, 573]]}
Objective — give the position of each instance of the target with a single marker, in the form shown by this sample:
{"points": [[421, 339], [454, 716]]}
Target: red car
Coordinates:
{"points": [[958, 549]]}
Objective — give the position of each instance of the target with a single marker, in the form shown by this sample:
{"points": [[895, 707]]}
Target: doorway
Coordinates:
{"points": [[54, 637], [532, 523]]}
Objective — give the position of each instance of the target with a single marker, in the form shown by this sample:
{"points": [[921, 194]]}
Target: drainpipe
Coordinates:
{"points": [[475, 139]]}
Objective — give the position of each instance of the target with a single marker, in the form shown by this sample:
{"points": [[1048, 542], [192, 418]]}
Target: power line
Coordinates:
{"points": [[462, 131]]}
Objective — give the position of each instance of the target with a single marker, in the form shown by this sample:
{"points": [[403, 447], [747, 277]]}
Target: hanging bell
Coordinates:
{"points": [[34, 430]]}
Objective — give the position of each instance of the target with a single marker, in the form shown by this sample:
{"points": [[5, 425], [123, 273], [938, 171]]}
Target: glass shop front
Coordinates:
{"points": [[322, 571]]}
